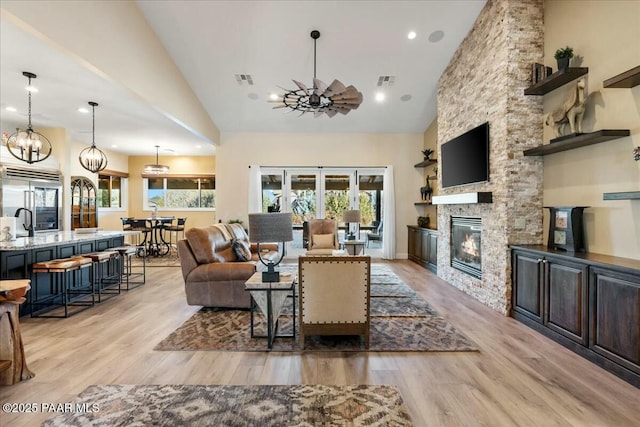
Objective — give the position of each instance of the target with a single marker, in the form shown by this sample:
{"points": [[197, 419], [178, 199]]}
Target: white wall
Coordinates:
{"points": [[239, 150], [606, 35]]}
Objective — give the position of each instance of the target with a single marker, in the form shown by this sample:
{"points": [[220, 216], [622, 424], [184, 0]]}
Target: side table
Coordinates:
{"points": [[354, 247], [270, 297]]}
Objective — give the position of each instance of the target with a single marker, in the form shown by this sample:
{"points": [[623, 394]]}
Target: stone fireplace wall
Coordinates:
{"points": [[485, 81]]}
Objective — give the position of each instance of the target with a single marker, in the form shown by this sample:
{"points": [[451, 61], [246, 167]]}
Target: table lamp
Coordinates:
{"points": [[270, 228], [348, 217]]}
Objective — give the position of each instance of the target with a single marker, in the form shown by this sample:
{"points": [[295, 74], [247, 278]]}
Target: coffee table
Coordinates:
{"points": [[270, 298]]}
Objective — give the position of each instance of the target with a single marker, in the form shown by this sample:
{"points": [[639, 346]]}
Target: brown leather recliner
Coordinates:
{"points": [[213, 276]]}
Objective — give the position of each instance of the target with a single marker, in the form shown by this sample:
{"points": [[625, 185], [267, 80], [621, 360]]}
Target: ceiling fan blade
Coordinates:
{"points": [[280, 106], [319, 86], [317, 114], [331, 112], [348, 105], [335, 88], [302, 86]]}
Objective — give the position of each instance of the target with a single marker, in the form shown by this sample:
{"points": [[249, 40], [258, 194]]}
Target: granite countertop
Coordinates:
{"points": [[59, 238]]}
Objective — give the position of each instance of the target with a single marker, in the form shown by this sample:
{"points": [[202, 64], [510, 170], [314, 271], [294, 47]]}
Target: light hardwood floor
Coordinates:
{"points": [[518, 378]]}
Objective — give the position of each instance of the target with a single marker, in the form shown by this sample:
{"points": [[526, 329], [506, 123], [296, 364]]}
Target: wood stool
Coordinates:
{"points": [[105, 275], [126, 255], [13, 364], [62, 286]]}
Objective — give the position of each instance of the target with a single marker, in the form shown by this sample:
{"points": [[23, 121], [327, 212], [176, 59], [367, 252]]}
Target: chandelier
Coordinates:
{"points": [[92, 158], [332, 99], [156, 169], [29, 145]]}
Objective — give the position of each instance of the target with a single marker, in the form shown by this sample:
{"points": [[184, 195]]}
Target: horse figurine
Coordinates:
{"points": [[571, 112], [426, 191]]}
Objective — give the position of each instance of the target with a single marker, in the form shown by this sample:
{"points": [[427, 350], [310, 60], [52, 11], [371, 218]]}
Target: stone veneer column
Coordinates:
{"points": [[485, 82]]}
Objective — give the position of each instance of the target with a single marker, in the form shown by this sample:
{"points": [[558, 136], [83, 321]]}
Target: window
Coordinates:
{"points": [[181, 192], [111, 186]]}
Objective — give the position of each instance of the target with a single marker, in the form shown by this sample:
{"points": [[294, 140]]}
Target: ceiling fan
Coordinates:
{"points": [[321, 98]]}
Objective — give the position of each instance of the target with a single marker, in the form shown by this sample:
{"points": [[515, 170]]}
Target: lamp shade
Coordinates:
{"points": [[351, 216], [270, 227]]}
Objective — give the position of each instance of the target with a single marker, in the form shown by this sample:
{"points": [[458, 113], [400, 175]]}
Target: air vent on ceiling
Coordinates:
{"points": [[244, 79], [32, 174], [386, 81]]}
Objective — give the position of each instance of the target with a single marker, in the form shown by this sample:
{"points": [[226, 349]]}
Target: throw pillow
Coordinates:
{"points": [[241, 249], [322, 241]]}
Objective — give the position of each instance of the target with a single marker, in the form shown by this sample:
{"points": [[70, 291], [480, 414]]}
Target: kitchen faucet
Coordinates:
{"points": [[30, 227]]}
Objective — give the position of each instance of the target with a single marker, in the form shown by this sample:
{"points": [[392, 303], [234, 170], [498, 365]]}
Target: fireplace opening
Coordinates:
{"points": [[466, 245]]}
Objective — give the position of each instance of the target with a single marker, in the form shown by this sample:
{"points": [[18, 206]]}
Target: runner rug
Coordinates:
{"points": [[255, 406], [400, 321]]}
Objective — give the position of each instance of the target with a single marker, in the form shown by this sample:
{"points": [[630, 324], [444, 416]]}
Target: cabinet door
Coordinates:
{"points": [[103, 244], [424, 244], [14, 265], [615, 316], [566, 299], [415, 245], [527, 285], [67, 251], [433, 249]]}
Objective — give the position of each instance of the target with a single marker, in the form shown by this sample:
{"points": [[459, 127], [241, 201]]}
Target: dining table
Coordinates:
{"points": [[154, 243]]}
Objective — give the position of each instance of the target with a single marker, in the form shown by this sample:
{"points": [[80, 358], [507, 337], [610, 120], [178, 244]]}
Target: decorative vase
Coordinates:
{"points": [[423, 221], [563, 63]]}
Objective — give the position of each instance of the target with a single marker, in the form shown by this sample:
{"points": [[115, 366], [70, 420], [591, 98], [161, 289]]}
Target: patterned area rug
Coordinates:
{"points": [[255, 406], [169, 260], [400, 321]]}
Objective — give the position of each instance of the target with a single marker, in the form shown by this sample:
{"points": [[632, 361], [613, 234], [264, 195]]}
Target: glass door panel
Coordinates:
{"points": [[272, 187], [303, 197]]}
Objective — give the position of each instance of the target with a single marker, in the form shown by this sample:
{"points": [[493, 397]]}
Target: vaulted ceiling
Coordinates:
{"points": [[213, 41]]}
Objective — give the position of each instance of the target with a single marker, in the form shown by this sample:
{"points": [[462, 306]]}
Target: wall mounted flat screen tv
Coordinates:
{"points": [[465, 159]]}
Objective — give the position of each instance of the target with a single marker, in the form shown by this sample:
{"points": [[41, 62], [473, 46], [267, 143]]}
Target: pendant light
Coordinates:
{"points": [[92, 158], [157, 168], [29, 145]]}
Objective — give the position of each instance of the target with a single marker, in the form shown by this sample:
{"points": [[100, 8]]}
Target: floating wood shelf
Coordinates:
{"points": [[626, 195], [464, 198], [425, 163], [555, 80], [423, 203], [627, 79], [578, 141]]}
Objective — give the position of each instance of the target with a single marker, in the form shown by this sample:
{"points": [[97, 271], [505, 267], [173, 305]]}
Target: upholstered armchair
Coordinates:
{"points": [[323, 234], [334, 296]]}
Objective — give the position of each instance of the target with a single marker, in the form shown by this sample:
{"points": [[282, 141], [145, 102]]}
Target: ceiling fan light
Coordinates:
{"points": [[29, 145], [320, 98]]}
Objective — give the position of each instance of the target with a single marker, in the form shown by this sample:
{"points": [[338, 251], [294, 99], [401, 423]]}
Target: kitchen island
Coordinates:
{"points": [[17, 257]]}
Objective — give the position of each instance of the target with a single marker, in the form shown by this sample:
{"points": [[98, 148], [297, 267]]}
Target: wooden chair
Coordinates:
{"points": [[334, 296]]}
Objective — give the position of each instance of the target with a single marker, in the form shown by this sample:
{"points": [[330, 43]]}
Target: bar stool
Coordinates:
{"points": [[179, 227], [106, 275], [60, 269], [126, 255]]}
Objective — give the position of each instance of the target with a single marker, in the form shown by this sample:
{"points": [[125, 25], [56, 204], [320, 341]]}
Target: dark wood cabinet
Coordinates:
{"points": [[615, 324], [590, 303], [15, 264], [423, 247]]}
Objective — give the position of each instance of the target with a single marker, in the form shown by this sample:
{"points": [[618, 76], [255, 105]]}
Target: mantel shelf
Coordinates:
{"points": [[578, 141], [425, 163], [555, 80], [464, 198], [626, 195], [628, 79], [423, 203]]}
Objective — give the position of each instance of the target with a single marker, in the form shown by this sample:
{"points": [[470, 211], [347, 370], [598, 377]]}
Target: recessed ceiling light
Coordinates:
{"points": [[83, 110], [405, 98], [274, 96], [253, 96], [198, 146], [12, 109], [114, 146], [436, 36], [412, 35], [31, 89], [380, 96]]}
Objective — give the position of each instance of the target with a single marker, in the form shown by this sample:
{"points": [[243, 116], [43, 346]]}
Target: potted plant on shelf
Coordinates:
{"points": [[563, 56]]}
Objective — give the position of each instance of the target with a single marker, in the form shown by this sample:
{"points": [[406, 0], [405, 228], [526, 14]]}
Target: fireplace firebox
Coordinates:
{"points": [[466, 245]]}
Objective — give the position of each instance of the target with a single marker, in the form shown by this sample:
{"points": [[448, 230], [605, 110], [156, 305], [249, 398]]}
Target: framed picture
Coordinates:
{"points": [[565, 228], [561, 219]]}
